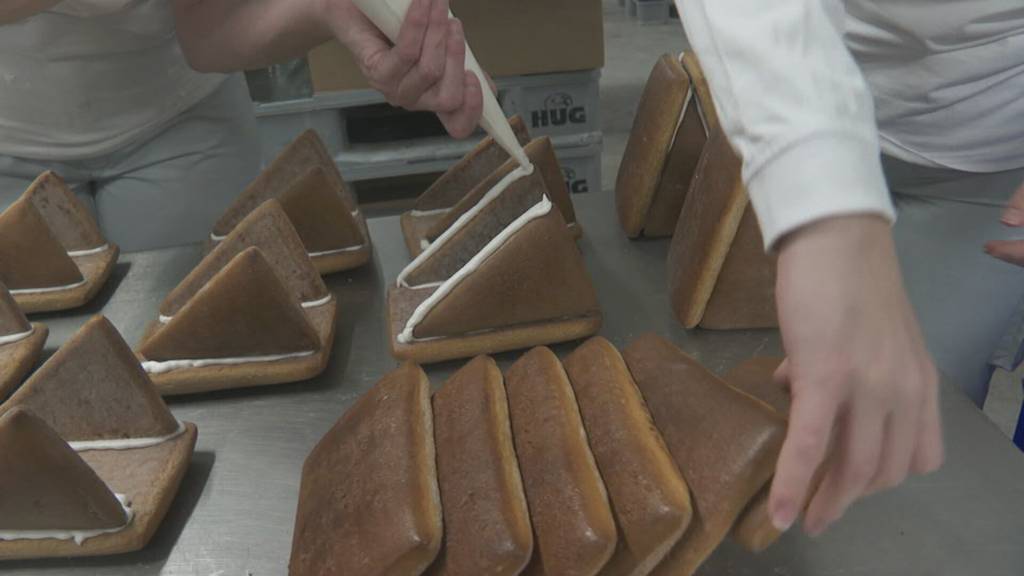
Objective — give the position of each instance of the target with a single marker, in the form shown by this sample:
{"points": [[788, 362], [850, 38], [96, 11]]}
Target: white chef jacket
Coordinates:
{"points": [[87, 77], [810, 91]]}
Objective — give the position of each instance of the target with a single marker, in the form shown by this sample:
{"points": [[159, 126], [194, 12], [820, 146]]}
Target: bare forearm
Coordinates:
{"points": [[231, 35], [12, 11]]}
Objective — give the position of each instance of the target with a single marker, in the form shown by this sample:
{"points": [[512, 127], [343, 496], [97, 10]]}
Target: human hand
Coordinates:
{"points": [[1011, 251], [861, 379], [424, 69]]}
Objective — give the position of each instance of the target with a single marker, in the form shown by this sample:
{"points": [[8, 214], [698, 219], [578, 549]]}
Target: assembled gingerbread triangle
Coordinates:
{"points": [[305, 179], [21, 342], [52, 254], [506, 275], [253, 312]]}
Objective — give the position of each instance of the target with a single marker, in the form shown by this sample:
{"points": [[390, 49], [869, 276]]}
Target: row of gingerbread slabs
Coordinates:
{"points": [[632, 464]]}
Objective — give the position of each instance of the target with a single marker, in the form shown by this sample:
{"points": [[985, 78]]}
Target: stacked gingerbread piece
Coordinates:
{"points": [[683, 179], [604, 464], [90, 456]]}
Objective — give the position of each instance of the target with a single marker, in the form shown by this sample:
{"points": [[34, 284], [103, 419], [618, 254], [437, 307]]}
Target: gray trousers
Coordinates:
{"points": [[970, 305], [169, 187]]}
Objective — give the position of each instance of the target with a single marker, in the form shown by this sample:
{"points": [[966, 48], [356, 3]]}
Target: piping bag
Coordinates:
{"points": [[388, 15]]}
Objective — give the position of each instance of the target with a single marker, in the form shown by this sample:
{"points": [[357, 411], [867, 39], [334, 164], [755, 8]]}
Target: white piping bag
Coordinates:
{"points": [[388, 16]]}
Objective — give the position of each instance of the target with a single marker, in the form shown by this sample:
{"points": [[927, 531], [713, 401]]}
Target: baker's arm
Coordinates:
{"points": [[12, 11], [797, 108], [423, 70]]}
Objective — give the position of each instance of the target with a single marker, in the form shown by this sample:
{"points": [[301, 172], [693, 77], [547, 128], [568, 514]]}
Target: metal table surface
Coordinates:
{"points": [[235, 511]]}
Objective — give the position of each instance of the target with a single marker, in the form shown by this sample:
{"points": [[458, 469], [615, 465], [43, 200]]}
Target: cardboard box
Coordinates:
{"points": [[509, 38]]}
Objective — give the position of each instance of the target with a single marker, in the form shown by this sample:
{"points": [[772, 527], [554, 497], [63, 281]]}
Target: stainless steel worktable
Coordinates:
{"points": [[234, 514]]}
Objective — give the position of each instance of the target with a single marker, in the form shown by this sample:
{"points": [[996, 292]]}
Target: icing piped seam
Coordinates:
{"points": [[50, 289], [164, 319], [494, 192], [162, 367], [12, 338], [126, 443], [88, 251], [538, 210]]}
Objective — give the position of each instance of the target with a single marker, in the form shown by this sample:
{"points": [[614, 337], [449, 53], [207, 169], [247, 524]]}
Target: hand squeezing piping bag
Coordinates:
{"points": [[388, 16]]}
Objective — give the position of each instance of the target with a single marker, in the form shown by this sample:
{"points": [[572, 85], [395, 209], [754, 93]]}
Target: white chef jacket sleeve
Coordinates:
{"points": [[794, 105]]}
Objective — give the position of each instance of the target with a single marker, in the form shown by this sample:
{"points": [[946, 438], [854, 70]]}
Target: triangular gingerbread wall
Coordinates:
{"points": [[536, 274], [319, 215], [305, 152], [744, 294], [269, 229], [459, 245], [31, 257], [243, 311], [724, 442], [68, 219], [45, 485], [93, 388], [468, 172], [649, 141], [704, 235], [12, 319], [541, 153]]}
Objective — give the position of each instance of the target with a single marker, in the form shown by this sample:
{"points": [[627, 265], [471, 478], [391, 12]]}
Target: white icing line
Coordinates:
{"points": [[337, 251], [519, 172], [125, 443], [79, 536], [424, 243], [12, 338], [311, 304], [682, 115], [431, 212], [538, 210], [217, 237], [88, 252], [158, 367], [49, 289], [318, 303]]}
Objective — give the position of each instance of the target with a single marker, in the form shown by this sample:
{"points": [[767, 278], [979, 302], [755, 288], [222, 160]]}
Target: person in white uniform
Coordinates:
{"points": [[847, 113], [107, 94]]}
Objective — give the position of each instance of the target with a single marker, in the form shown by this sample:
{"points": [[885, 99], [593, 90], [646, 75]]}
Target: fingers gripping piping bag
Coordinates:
{"points": [[388, 16]]}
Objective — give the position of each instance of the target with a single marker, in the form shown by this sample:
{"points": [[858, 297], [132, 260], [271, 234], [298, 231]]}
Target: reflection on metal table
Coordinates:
{"points": [[234, 514]]}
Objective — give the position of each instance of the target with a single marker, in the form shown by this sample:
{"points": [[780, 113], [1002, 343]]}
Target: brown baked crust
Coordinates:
{"points": [[244, 310], [31, 256], [486, 521], [725, 442], [467, 173], [12, 319], [537, 274], [649, 141], [93, 388], [68, 219], [704, 234], [46, 485], [18, 358], [572, 520], [680, 168], [318, 213], [269, 229], [378, 515], [702, 90], [650, 499], [303, 153], [744, 294]]}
